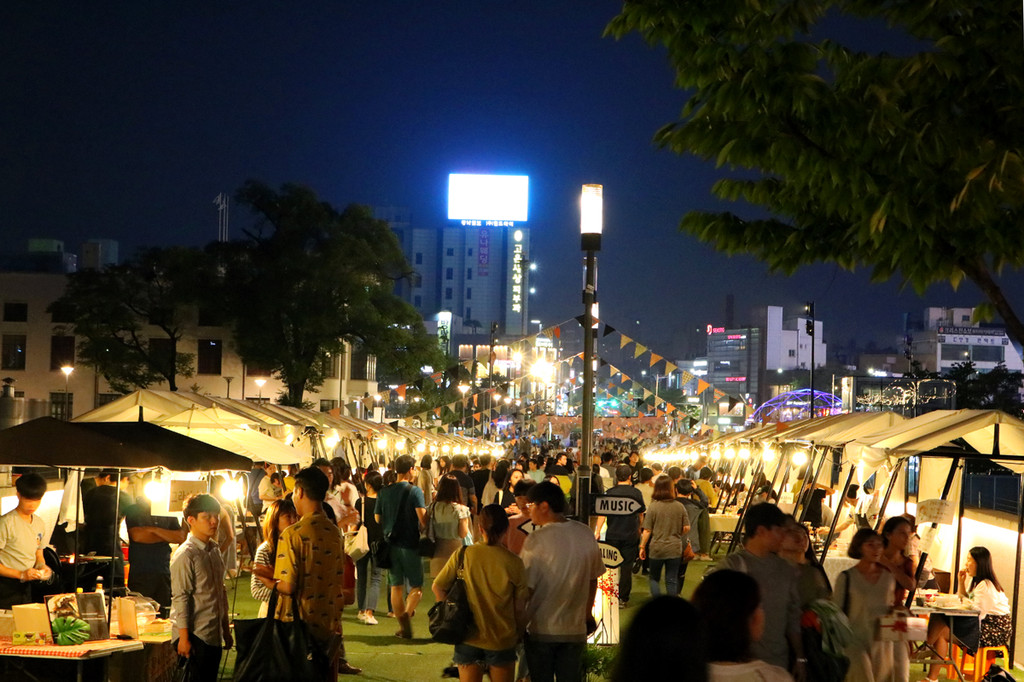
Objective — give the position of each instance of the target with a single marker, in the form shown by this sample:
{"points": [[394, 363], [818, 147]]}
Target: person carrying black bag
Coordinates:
{"points": [[310, 557], [401, 512]]}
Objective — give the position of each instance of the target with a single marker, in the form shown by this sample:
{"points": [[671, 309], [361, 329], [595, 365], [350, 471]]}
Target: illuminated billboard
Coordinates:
{"points": [[488, 200]]}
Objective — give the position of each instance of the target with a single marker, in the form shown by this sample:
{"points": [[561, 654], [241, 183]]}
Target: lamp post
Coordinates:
{"points": [[376, 405], [591, 226], [67, 369], [259, 387], [463, 389]]}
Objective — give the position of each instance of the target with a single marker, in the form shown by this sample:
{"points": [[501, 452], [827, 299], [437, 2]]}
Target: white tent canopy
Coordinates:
{"points": [[936, 429]]}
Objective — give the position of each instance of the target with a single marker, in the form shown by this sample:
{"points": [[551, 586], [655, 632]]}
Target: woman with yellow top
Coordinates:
{"points": [[496, 589]]}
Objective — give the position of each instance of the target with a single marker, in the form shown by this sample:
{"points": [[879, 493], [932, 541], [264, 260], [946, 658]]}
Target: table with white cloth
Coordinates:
{"points": [[723, 523], [834, 565]]}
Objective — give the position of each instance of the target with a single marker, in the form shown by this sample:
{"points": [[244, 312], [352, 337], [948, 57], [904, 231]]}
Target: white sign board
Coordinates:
{"points": [[935, 511], [611, 556], [608, 505]]}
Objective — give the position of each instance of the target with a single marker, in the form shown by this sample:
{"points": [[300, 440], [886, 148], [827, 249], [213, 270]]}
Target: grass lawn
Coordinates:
{"points": [[382, 656]]}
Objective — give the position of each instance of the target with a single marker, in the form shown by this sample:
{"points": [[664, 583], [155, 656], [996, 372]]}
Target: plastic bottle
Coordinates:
{"points": [[99, 586]]}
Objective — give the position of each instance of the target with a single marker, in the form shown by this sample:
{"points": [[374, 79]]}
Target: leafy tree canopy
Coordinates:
{"points": [[308, 278], [112, 308], [909, 165]]}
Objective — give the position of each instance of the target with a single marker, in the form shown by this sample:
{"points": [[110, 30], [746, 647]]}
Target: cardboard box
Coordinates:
{"points": [[31, 618]]}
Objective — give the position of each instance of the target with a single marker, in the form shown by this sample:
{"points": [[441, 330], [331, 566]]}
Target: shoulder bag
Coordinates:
{"points": [[269, 649], [450, 618], [382, 548], [357, 544], [428, 541]]}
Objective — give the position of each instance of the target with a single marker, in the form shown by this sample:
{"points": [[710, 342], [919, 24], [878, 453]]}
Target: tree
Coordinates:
{"points": [[996, 389], [115, 311], [307, 279], [910, 165]]}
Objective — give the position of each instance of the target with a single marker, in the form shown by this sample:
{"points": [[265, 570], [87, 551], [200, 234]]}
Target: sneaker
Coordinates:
{"points": [[369, 619], [361, 616], [624, 604], [451, 672]]}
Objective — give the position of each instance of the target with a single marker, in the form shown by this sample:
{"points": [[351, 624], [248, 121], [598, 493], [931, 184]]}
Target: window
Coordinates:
{"points": [[62, 352], [448, 293], [987, 353], [334, 364], [327, 405], [62, 405], [106, 398], [450, 252], [792, 353], [955, 352], [12, 352], [469, 313], [364, 366], [61, 314], [469, 294], [449, 273], [913, 475], [965, 318], [257, 371], [417, 301], [208, 356], [469, 252], [469, 273], [15, 312], [419, 259]]}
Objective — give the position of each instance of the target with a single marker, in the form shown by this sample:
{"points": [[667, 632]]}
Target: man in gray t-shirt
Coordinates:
{"points": [[777, 579]]}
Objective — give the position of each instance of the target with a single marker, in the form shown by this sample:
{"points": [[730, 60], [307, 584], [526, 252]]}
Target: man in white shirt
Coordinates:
{"points": [[563, 564]]}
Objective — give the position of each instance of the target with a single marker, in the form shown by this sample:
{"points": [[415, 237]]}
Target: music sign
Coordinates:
{"points": [[609, 505]]}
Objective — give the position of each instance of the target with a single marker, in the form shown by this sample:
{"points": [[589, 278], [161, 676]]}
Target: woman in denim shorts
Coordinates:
{"points": [[496, 589]]}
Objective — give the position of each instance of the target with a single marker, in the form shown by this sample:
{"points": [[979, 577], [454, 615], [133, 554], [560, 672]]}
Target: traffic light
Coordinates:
{"points": [[809, 312]]}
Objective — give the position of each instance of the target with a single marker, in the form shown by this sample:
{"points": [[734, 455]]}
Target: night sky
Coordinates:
{"points": [[123, 120]]}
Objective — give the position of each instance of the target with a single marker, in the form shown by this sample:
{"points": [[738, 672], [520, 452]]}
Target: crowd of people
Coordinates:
{"points": [[531, 573]]}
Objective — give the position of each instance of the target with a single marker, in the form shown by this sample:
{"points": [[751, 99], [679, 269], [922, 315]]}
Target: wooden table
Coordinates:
{"points": [[76, 654]]}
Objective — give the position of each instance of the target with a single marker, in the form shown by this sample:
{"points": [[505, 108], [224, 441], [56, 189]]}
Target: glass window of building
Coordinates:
{"points": [[208, 356], [419, 259], [62, 352], [450, 252], [448, 293], [12, 352], [15, 312], [469, 273], [469, 294], [449, 273], [987, 353], [955, 352], [62, 405]]}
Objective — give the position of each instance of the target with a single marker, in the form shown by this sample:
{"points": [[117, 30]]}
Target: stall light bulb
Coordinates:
{"points": [[331, 442], [768, 454], [744, 452], [156, 490], [730, 453], [382, 443], [400, 444], [446, 449], [421, 447], [799, 458], [231, 490]]}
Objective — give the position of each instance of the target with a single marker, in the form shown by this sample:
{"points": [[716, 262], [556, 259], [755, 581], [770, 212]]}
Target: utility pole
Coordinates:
{"points": [[809, 310]]}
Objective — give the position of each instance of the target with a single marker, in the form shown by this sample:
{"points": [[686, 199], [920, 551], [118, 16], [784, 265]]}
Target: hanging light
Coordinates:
{"points": [[421, 447], [382, 443], [730, 452], [799, 458], [231, 490], [400, 444], [744, 452], [768, 453]]}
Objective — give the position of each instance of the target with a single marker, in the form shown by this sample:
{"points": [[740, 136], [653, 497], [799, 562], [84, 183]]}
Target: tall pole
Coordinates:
{"points": [[809, 309], [591, 226]]}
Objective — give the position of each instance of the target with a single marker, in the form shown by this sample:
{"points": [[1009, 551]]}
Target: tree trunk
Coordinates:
{"points": [[977, 271], [294, 396]]}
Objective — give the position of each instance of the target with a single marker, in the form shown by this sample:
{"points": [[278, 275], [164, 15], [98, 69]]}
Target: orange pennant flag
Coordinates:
{"points": [[702, 386]]}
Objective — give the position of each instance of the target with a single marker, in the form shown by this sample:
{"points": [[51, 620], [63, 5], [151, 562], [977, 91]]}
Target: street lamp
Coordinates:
{"points": [[259, 385], [463, 389], [376, 406], [67, 369], [591, 226]]}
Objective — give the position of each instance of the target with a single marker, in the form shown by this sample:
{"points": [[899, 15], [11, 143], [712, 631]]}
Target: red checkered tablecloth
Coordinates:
{"points": [[87, 650]]}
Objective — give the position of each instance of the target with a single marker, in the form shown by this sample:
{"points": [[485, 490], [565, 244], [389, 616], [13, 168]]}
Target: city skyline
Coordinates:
{"points": [[130, 120]]}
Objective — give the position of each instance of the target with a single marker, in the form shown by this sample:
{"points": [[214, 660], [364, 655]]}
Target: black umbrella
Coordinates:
{"points": [[114, 445]]}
